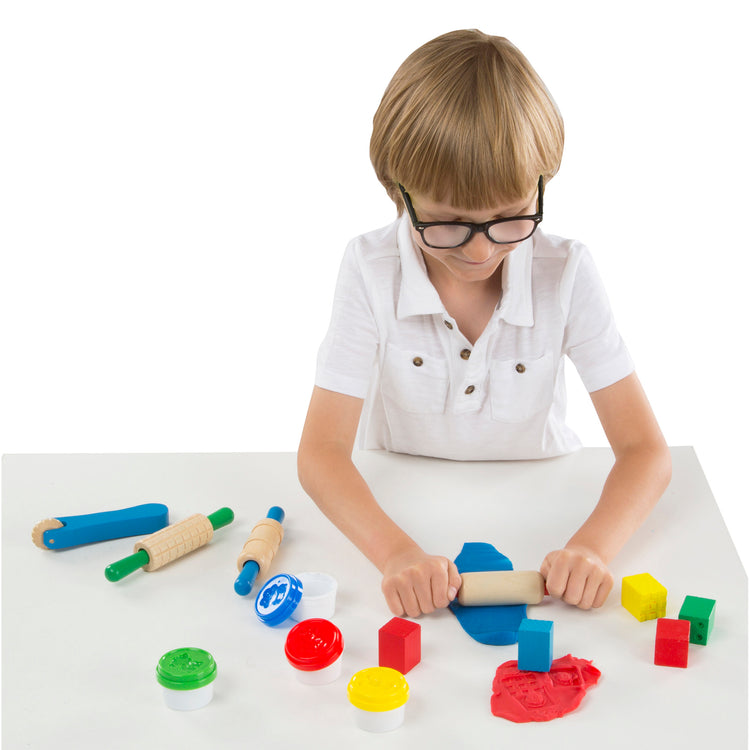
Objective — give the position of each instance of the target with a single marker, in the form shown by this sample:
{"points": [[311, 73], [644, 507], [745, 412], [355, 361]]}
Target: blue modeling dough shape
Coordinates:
{"points": [[496, 624]]}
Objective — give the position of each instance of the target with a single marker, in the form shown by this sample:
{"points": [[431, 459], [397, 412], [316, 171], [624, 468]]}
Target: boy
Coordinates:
{"points": [[449, 326]]}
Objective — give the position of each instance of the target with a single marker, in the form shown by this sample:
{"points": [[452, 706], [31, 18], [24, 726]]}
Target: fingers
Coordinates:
{"points": [[393, 600], [408, 594], [421, 587], [454, 581], [577, 577]]}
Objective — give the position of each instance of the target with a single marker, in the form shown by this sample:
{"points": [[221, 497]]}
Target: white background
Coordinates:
{"points": [[179, 180]]}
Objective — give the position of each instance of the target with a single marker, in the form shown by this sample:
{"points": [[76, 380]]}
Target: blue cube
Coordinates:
{"points": [[535, 645]]}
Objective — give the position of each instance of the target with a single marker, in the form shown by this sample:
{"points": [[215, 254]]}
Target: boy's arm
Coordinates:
{"points": [[413, 581], [578, 574]]}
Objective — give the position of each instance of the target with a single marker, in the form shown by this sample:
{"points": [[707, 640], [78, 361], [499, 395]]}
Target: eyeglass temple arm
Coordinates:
{"points": [[407, 203]]}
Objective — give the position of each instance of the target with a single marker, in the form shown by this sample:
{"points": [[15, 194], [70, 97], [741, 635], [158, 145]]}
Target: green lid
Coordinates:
{"points": [[186, 669]]}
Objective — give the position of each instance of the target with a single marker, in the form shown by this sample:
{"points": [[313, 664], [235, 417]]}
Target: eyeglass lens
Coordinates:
{"points": [[452, 235]]}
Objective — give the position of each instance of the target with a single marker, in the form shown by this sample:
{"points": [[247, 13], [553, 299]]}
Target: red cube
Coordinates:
{"points": [[672, 642], [399, 644]]}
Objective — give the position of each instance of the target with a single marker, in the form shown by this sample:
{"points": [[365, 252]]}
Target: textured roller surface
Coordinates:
{"points": [[176, 540], [262, 544]]}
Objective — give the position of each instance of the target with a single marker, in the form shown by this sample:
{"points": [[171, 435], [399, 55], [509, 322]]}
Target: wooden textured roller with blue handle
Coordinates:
{"points": [[259, 550]]}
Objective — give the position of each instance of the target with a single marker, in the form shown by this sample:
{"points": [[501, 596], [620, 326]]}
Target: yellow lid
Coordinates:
{"points": [[378, 689]]}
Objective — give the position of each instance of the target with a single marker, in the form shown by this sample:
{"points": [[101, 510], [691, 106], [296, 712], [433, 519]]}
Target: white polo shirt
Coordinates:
{"points": [[427, 390]]}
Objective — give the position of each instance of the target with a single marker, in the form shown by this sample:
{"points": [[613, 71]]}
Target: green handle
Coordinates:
{"points": [[222, 517], [126, 566]]}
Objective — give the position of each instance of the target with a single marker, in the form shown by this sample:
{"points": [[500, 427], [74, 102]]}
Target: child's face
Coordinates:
{"points": [[479, 258]]}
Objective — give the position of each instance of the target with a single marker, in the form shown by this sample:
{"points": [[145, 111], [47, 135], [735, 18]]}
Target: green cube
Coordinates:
{"points": [[700, 612]]}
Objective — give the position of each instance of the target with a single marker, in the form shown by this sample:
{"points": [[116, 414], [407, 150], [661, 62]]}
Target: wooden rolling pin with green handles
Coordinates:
{"points": [[170, 543]]}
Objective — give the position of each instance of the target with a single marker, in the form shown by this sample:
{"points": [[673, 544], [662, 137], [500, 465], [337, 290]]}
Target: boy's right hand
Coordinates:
{"points": [[415, 583]]}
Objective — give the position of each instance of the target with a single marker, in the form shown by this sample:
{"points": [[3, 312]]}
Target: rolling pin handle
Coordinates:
{"points": [[126, 566], [245, 580], [221, 517]]}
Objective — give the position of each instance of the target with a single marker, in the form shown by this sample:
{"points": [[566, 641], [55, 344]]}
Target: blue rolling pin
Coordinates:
{"points": [[70, 531], [259, 550]]}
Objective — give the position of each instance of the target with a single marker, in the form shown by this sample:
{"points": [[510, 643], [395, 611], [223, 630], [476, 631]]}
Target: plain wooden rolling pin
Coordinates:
{"points": [[501, 587]]}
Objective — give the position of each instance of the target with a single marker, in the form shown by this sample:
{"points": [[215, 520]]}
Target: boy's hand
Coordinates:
{"points": [[415, 583], [578, 576]]}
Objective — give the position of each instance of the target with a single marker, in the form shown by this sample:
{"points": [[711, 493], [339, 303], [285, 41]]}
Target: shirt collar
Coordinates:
{"points": [[417, 295]]}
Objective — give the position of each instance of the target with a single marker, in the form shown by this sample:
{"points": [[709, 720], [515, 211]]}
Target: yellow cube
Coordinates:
{"points": [[644, 597]]}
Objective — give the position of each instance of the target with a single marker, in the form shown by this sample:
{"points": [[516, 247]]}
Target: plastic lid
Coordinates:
{"points": [[313, 644], [186, 669], [278, 599], [378, 689]]}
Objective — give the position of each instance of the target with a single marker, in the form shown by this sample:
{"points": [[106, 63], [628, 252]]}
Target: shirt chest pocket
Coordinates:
{"points": [[415, 382], [521, 388]]}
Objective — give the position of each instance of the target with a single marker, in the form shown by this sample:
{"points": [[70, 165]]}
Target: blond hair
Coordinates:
{"points": [[467, 120]]}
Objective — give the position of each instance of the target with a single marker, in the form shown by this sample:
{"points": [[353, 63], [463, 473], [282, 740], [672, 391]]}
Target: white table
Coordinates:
{"points": [[79, 652]]}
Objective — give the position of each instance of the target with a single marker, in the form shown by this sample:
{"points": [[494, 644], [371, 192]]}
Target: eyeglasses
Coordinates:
{"points": [[443, 235]]}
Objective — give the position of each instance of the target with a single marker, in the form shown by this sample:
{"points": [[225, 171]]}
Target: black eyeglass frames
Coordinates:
{"points": [[444, 235]]}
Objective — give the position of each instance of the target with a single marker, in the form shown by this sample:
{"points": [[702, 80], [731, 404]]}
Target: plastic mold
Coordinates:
{"points": [[535, 645], [644, 597], [700, 613], [399, 645], [672, 641]]}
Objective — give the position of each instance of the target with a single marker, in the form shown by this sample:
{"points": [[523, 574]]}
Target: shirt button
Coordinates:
{"points": [[448, 324], [520, 368], [465, 353], [469, 390], [417, 361]]}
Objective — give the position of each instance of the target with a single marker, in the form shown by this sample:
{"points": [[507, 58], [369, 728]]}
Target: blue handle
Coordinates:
{"points": [[113, 524], [243, 585], [245, 580]]}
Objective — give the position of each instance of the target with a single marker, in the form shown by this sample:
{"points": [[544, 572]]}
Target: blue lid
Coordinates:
{"points": [[278, 598]]}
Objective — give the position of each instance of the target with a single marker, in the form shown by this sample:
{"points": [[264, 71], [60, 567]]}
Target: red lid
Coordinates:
{"points": [[313, 644]]}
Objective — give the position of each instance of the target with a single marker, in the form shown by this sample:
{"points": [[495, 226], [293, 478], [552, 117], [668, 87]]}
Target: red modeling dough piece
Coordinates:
{"points": [[541, 696]]}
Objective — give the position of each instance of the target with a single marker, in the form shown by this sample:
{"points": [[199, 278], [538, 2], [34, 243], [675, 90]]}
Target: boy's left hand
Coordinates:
{"points": [[578, 576]]}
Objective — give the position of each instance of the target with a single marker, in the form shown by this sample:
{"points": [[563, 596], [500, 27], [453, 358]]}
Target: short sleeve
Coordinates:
{"points": [[592, 340], [347, 355]]}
